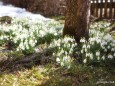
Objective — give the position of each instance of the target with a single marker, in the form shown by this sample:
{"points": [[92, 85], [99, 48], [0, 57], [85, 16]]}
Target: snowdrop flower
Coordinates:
{"points": [[58, 44], [104, 43], [113, 49], [66, 53], [108, 47], [114, 54], [67, 39], [82, 40], [35, 41], [87, 54], [91, 56], [31, 41], [37, 50], [108, 37], [55, 34], [23, 36], [85, 50], [85, 60], [62, 64], [27, 47], [73, 45], [110, 56], [98, 58], [65, 58], [59, 41], [71, 50], [103, 57], [98, 40], [69, 67], [81, 51], [105, 50], [90, 39], [58, 60], [1, 37], [58, 54], [88, 46], [42, 32], [17, 49], [98, 53], [22, 48], [84, 46], [62, 51]]}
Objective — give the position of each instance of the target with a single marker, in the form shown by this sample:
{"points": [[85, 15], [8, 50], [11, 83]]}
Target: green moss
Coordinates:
{"points": [[5, 19]]}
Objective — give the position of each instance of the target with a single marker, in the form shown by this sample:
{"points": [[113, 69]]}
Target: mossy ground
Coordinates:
{"points": [[15, 72]]}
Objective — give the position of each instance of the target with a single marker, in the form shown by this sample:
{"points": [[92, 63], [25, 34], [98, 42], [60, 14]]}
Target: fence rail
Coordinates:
{"points": [[103, 8]]}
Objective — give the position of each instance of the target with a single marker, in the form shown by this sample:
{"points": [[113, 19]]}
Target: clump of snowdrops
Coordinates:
{"points": [[99, 47], [25, 34], [63, 50]]}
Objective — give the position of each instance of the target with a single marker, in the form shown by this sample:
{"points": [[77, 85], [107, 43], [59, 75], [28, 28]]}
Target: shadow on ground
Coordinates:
{"points": [[14, 62]]}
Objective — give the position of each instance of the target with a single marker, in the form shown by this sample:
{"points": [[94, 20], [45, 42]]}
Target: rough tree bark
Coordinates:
{"points": [[77, 19]]}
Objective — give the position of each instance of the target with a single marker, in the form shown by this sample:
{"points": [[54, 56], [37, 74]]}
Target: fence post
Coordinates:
{"points": [[101, 8], [105, 9], [110, 9], [96, 8]]}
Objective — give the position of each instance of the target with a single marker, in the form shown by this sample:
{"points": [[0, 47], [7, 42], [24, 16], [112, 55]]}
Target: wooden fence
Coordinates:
{"points": [[103, 8]]}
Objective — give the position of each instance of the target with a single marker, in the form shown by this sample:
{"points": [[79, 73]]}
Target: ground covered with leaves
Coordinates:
{"points": [[34, 53]]}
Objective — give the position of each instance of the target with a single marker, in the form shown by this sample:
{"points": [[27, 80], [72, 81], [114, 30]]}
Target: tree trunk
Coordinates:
{"points": [[77, 19]]}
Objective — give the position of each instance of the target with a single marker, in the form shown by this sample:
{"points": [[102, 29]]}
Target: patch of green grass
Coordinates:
{"points": [[60, 19], [15, 55], [79, 75], [32, 77], [54, 75], [5, 19]]}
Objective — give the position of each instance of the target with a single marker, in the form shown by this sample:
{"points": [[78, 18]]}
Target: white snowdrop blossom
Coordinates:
{"points": [[110, 56], [113, 49], [98, 53], [98, 58], [108, 47], [114, 54], [88, 46], [91, 56], [103, 43], [82, 40], [42, 33], [103, 57], [84, 46], [85, 61], [58, 60]]}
